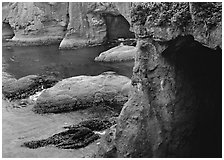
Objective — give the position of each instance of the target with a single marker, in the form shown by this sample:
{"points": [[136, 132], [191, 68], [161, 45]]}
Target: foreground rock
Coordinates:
{"points": [[26, 86], [119, 53], [175, 108], [75, 137], [81, 92]]}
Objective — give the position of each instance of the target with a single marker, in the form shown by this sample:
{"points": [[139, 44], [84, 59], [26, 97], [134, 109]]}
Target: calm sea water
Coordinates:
{"points": [[23, 61]]}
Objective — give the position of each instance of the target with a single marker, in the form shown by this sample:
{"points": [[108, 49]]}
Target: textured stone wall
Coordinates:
{"points": [[33, 22], [175, 106], [74, 24]]}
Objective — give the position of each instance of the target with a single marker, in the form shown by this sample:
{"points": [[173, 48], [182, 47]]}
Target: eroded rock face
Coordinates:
{"points": [[35, 22], [74, 24], [81, 92], [166, 21], [85, 27], [93, 23], [177, 86], [118, 53]]}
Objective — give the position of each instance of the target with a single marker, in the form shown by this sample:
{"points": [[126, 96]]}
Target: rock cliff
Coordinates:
{"points": [[72, 24], [94, 23], [175, 107], [36, 23]]}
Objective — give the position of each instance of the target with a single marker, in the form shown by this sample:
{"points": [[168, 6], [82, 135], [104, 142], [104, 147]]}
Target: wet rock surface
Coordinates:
{"points": [[107, 89], [26, 86], [119, 53], [77, 136]]}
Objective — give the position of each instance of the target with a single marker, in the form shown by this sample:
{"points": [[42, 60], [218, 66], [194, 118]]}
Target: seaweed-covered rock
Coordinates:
{"points": [[81, 92], [70, 139], [77, 136], [26, 86], [94, 124], [118, 53]]}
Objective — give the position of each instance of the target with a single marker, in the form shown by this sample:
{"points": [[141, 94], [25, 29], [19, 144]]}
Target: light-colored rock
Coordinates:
{"points": [[80, 92], [118, 53], [94, 23], [72, 24], [35, 22], [124, 9]]}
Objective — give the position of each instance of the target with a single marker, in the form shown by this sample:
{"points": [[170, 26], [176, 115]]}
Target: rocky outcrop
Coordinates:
{"points": [[176, 85], [36, 23], [124, 9], [72, 24], [80, 92], [118, 53], [93, 23], [85, 27], [166, 21], [26, 86]]}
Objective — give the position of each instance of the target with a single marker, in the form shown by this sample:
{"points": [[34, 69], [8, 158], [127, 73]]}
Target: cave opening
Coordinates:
{"points": [[7, 31], [199, 67], [117, 27]]}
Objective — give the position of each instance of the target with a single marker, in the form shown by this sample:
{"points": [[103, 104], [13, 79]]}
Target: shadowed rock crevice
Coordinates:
{"points": [[7, 31], [200, 69]]}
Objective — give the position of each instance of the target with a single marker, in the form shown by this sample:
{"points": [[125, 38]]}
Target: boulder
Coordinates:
{"points": [[25, 86], [81, 92], [118, 53]]}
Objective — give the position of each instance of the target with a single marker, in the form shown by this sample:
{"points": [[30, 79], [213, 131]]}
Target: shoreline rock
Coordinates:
{"points": [[80, 92], [26, 86], [117, 54]]}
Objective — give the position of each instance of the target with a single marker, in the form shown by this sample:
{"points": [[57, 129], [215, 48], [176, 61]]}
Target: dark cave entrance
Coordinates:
{"points": [[200, 68], [7, 31], [117, 27]]}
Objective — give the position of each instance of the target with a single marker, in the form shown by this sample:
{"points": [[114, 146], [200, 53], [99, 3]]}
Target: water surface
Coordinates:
{"points": [[23, 61]]}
